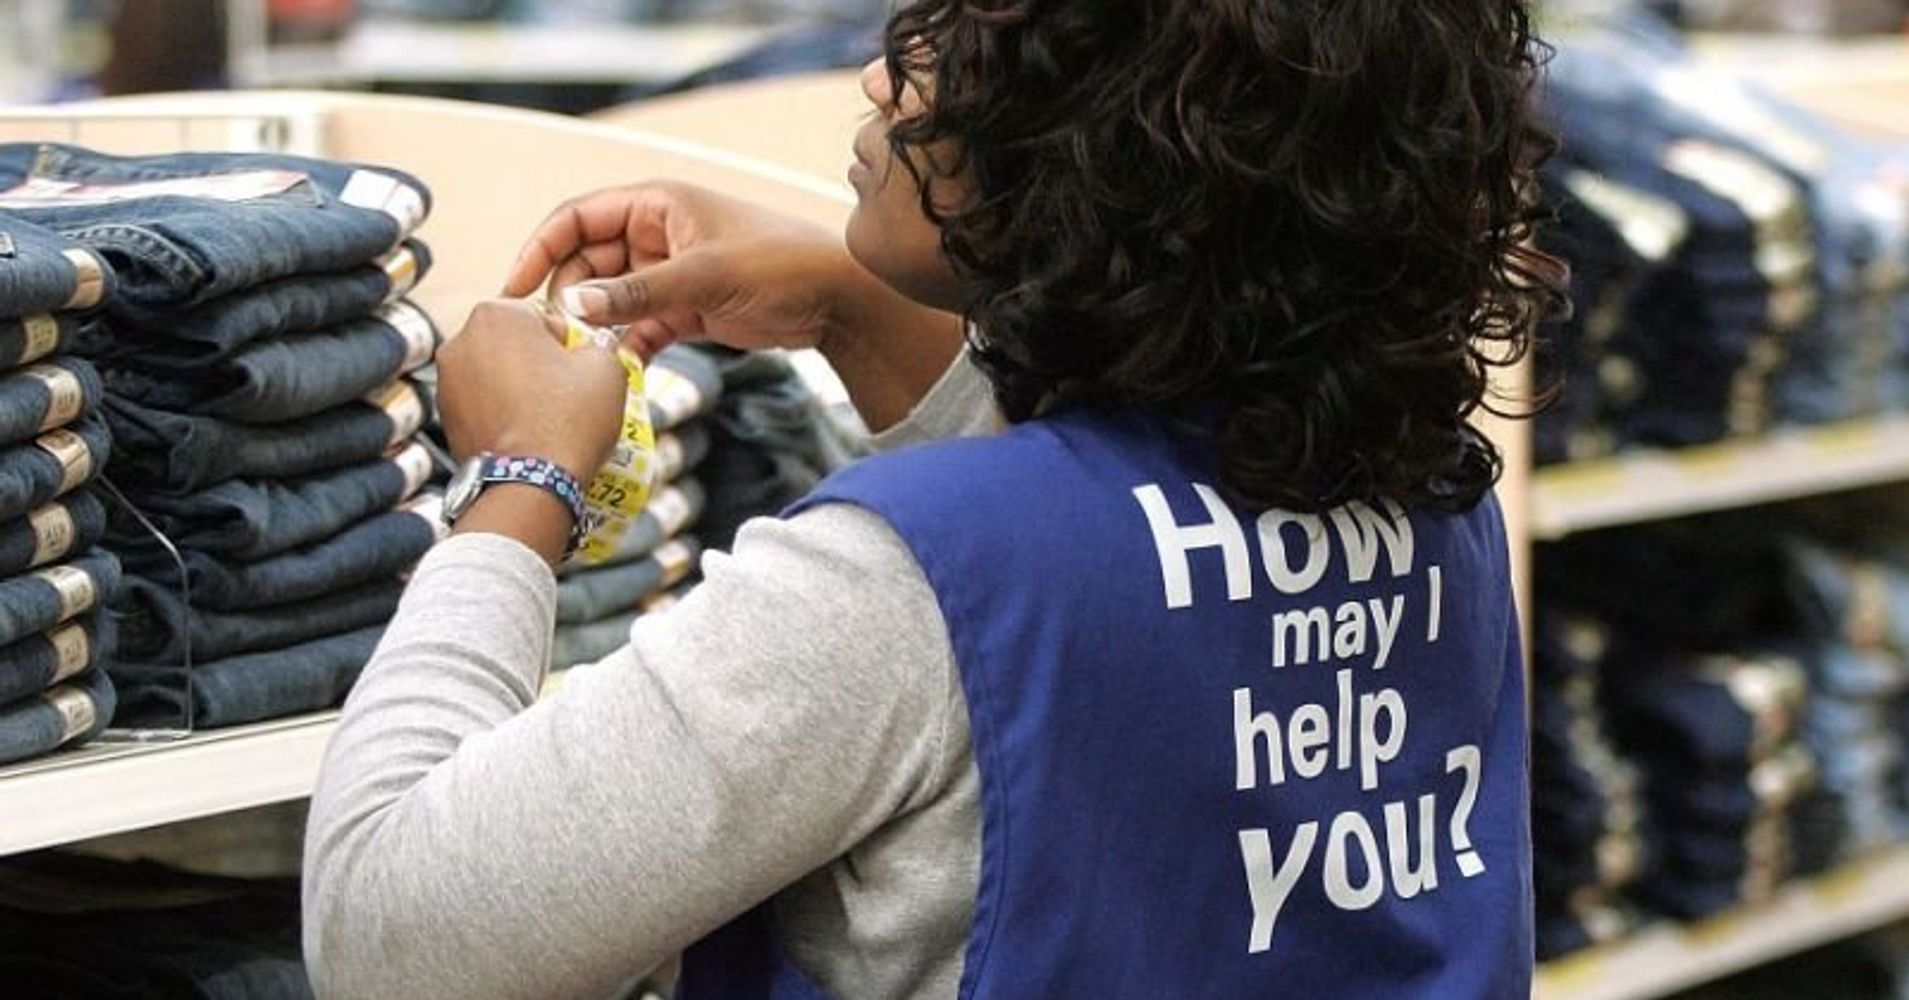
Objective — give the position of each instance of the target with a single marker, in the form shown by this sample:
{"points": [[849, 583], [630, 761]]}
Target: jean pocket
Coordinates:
{"points": [[149, 266]]}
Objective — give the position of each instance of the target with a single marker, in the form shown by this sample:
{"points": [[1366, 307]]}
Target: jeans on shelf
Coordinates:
{"points": [[50, 533], [186, 228], [221, 328], [35, 602], [55, 464], [680, 451], [42, 271], [248, 520], [73, 712], [44, 396], [288, 378], [306, 677], [378, 548], [672, 509], [166, 452], [156, 627], [681, 384], [26, 339], [596, 594], [38, 662]]}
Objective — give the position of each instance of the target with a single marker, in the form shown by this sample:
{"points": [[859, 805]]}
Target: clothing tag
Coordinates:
{"points": [[430, 507], [78, 592], [671, 509], [244, 185], [1653, 227], [671, 456], [414, 328], [415, 464], [53, 533], [400, 401], [6, 246], [400, 269], [1764, 194], [91, 274], [674, 397], [385, 193], [40, 337], [662, 600], [71, 451], [71, 651], [677, 559], [76, 708], [65, 395]]}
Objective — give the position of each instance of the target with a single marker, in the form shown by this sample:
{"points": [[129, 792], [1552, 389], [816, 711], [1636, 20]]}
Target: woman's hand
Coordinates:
{"points": [[675, 262]]}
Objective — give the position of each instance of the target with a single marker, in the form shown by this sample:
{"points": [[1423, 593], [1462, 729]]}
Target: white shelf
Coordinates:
{"points": [[1653, 485], [500, 53], [1859, 897], [107, 788]]}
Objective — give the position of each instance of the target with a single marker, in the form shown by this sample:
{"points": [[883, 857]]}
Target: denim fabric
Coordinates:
{"points": [[1560, 932], [598, 593], [287, 378], [37, 662], [307, 677], [55, 463], [155, 934], [772, 441], [174, 453], [69, 713], [42, 271], [29, 338], [1713, 801], [680, 451], [71, 524], [1721, 712], [589, 642], [156, 626], [682, 383], [378, 548], [247, 520], [221, 328], [672, 510], [179, 250], [35, 602], [1712, 582], [49, 394]]}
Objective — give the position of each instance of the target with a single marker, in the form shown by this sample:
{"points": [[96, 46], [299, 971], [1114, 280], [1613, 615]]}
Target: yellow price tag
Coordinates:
{"points": [[617, 495]]}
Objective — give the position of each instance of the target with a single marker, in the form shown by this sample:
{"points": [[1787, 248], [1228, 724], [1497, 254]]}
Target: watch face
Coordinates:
{"points": [[463, 488]]}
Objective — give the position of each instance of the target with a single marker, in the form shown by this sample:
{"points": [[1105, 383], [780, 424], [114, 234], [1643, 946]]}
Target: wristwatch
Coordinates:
{"points": [[481, 472]]}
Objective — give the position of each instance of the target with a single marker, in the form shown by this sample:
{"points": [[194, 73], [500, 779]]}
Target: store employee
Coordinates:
{"points": [[1200, 679]]}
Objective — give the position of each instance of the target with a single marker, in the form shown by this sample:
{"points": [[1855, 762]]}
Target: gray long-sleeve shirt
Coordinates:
{"points": [[794, 731]]}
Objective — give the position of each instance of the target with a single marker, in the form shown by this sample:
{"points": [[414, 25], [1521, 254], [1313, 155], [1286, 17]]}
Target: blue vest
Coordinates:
{"points": [[1221, 754]]}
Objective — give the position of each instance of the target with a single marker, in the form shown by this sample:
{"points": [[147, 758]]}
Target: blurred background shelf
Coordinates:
{"points": [[1666, 958], [1642, 486]]}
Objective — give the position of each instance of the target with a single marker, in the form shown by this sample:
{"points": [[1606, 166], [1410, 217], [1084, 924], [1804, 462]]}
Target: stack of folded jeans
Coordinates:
{"points": [[1719, 740], [1855, 609], [53, 443], [254, 355], [597, 603], [1587, 803]]}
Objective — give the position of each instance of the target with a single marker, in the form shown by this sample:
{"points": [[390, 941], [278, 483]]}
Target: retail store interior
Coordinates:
{"points": [[1710, 519]]}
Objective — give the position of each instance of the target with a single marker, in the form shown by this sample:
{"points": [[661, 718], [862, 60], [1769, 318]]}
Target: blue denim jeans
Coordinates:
{"points": [[27, 339], [680, 451], [1720, 714], [287, 378], [379, 548], [69, 713], [253, 687], [161, 452], [49, 394], [185, 229], [592, 595], [248, 520], [156, 627], [42, 272], [35, 602], [682, 383], [73, 523], [226, 325], [672, 509], [56, 463], [31, 665]]}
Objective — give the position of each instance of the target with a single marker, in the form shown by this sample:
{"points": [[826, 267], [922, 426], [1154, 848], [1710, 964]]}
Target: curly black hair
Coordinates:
{"points": [[1312, 218]]}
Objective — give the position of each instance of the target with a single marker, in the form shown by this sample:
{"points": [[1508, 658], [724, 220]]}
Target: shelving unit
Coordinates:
{"points": [[1663, 959], [1654, 485]]}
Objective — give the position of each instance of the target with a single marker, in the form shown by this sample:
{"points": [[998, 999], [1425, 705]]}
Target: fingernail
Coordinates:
{"points": [[580, 300]]}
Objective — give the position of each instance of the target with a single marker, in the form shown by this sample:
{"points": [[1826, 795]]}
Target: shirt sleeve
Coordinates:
{"points": [[469, 841]]}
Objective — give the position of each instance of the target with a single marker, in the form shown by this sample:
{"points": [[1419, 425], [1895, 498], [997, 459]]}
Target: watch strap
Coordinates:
{"points": [[545, 475]]}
